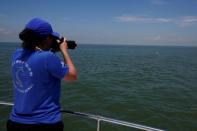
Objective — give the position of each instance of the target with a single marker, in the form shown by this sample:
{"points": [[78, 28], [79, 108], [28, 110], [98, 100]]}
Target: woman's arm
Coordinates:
{"points": [[72, 73]]}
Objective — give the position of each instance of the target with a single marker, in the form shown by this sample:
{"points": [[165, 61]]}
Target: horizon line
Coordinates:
{"points": [[119, 44]]}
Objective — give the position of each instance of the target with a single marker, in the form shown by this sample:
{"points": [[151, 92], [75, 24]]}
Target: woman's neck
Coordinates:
{"points": [[42, 48], [38, 48]]}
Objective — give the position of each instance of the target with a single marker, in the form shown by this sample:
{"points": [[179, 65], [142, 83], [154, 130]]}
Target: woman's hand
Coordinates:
{"points": [[63, 46]]}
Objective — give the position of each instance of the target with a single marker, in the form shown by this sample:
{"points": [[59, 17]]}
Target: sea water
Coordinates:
{"points": [[150, 85]]}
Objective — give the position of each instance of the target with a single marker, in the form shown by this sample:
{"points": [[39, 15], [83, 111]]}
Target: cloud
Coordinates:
{"points": [[65, 18], [1, 29], [156, 38], [187, 21], [5, 32], [142, 19], [184, 21], [3, 17], [158, 2], [168, 39]]}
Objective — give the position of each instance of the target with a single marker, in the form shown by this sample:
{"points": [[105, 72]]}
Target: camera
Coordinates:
{"points": [[57, 41]]}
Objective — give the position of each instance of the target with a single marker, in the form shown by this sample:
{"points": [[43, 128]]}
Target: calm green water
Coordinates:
{"points": [[150, 85]]}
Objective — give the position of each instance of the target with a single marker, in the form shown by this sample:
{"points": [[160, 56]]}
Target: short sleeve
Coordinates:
{"points": [[55, 66]]}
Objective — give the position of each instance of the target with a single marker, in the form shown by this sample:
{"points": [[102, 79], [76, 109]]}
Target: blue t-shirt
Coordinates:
{"points": [[36, 86]]}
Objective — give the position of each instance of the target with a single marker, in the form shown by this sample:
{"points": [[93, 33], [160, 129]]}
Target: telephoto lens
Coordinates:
{"points": [[57, 41], [71, 44]]}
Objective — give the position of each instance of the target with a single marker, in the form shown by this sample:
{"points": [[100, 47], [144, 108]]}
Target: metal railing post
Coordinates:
{"points": [[98, 125]]}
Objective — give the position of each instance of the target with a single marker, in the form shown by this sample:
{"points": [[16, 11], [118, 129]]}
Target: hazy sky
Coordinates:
{"points": [[155, 22]]}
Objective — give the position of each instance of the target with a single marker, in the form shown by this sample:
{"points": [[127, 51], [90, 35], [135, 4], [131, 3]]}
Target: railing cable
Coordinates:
{"points": [[100, 118]]}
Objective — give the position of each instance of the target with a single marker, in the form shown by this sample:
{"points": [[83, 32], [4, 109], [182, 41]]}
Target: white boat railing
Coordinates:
{"points": [[100, 118]]}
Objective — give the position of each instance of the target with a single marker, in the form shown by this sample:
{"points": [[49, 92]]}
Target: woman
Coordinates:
{"points": [[37, 73]]}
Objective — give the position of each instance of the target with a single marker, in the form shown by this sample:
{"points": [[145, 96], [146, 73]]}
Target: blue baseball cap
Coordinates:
{"points": [[56, 35], [40, 27]]}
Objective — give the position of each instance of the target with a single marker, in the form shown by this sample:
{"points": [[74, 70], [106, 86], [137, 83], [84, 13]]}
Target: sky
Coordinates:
{"points": [[135, 22]]}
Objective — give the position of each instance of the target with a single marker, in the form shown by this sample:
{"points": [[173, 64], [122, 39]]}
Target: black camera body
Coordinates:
{"points": [[57, 41]]}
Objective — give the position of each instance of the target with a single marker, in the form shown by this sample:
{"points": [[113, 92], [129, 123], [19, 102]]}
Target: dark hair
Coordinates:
{"points": [[30, 39]]}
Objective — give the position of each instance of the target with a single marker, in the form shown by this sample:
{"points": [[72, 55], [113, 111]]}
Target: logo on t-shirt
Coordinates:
{"points": [[22, 74]]}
